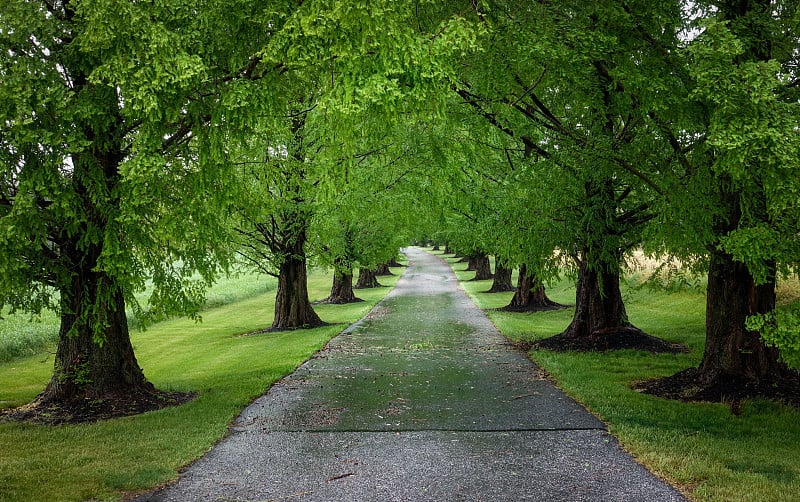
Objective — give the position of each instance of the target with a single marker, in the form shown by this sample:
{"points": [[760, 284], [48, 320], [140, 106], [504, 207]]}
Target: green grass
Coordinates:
{"points": [[99, 461], [711, 454], [23, 335]]}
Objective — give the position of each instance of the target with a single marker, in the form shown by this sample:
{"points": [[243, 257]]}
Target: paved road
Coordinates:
{"points": [[421, 400]]}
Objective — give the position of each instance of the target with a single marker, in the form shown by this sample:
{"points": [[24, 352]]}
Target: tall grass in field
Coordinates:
{"points": [[24, 335]]}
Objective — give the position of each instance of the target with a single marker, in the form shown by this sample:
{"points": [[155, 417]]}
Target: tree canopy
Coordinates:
{"points": [[156, 142]]}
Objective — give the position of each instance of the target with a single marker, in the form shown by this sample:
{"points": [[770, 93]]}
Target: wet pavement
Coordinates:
{"points": [[421, 400]]}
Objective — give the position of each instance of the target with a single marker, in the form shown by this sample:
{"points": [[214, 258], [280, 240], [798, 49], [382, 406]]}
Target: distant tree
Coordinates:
{"points": [[325, 74]]}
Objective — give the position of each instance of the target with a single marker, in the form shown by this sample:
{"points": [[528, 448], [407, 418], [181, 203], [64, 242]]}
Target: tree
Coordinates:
{"points": [[501, 282], [564, 81], [102, 179], [736, 148], [277, 213], [335, 69]]}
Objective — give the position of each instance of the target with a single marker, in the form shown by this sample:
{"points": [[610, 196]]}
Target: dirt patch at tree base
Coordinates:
{"points": [[690, 386], [501, 289], [93, 410], [616, 339], [539, 307], [337, 301]]}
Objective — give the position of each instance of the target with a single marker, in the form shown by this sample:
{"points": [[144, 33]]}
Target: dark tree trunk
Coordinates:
{"points": [[502, 278], [383, 269], [435, 247], [367, 279], [732, 352], [96, 374], [292, 307], [472, 263], [483, 268], [736, 364], [448, 250], [529, 295], [342, 288], [599, 309], [94, 365], [394, 263]]}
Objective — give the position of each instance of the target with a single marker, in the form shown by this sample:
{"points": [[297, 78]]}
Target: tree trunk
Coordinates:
{"points": [[367, 279], [292, 307], [483, 268], [736, 364], [448, 249], [600, 321], [383, 269], [435, 247], [472, 263], [89, 364], [394, 263], [731, 352], [502, 278], [342, 288], [599, 309], [529, 295]]}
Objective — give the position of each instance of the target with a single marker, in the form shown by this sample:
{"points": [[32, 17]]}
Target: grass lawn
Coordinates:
{"points": [[100, 461], [702, 448]]}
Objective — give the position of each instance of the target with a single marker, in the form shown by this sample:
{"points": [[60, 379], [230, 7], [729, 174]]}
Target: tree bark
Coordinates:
{"points": [[530, 295], [599, 309], [94, 358], [292, 306], [483, 267], [394, 263], [342, 288], [383, 269], [502, 278], [367, 279], [731, 352]]}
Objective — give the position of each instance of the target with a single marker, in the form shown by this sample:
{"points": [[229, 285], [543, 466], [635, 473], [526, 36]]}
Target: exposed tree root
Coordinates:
{"points": [[537, 306], [338, 300]]}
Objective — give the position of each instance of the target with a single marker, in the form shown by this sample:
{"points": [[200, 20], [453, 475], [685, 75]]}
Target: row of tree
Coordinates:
{"points": [[599, 128], [159, 142]]}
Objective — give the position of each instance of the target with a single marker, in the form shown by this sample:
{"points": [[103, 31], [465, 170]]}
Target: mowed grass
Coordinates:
{"points": [[706, 451], [23, 335], [102, 460]]}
